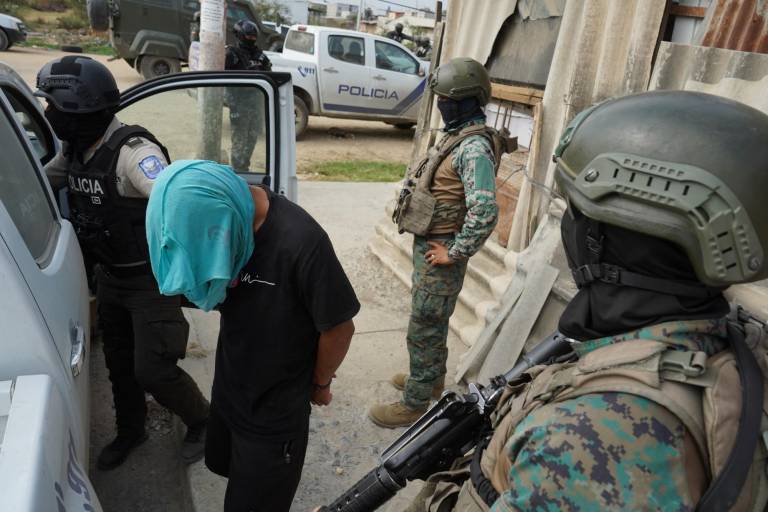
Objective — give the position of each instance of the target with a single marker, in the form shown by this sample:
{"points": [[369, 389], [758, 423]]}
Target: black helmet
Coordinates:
{"points": [[77, 85], [398, 27], [246, 31], [687, 167]]}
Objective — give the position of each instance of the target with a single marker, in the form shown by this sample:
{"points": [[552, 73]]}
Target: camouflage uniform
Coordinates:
{"points": [[609, 451], [436, 288], [245, 122]]}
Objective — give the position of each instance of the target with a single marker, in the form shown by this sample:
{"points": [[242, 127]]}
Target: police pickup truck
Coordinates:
{"points": [[342, 73]]}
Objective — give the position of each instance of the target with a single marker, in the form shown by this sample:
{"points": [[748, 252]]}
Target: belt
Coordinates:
{"points": [[129, 270], [440, 236]]}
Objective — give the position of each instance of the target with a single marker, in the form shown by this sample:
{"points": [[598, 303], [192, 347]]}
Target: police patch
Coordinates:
{"points": [[151, 166]]}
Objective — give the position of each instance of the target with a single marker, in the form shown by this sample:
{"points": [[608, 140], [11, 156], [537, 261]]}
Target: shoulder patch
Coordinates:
{"points": [[133, 142], [151, 166]]}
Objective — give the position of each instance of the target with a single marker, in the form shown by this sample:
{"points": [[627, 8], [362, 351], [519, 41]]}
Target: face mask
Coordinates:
{"points": [[457, 112], [80, 130]]}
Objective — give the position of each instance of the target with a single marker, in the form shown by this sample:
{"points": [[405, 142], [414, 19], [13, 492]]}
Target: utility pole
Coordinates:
{"points": [[359, 14], [211, 99]]}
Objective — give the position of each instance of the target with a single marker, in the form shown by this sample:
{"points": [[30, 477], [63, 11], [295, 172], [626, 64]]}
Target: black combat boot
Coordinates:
{"points": [[193, 448], [117, 451]]}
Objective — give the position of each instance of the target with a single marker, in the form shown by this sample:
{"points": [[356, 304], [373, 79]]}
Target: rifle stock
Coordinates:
{"points": [[447, 431]]}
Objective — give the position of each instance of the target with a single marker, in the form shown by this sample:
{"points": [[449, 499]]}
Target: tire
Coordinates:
{"points": [[71, 49], [404, 126], [151, 66], [4, 42], [98, 14], [302, 116]]}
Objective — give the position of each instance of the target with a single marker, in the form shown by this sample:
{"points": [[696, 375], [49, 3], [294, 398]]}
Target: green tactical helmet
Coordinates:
{"points": [[461, 78], [687, 167]]}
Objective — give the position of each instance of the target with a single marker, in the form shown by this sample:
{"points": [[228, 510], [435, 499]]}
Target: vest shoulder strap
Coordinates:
{"points": [[426, 172], [106, 155]]}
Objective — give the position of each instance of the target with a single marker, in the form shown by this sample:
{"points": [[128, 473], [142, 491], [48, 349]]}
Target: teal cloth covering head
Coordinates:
{"points": [[199, 229]]}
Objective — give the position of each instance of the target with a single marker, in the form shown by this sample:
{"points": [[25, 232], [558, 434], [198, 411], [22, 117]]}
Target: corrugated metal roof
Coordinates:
{"points": [[736, 25], [740, 76]]}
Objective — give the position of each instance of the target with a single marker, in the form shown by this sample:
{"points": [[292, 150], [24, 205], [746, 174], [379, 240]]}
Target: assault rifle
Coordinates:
{"points": [[447, 431]]}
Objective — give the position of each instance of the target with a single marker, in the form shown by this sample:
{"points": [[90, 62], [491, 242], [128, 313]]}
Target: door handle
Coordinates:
{"points": [[379, 77], [330, 70], [77, 356]]}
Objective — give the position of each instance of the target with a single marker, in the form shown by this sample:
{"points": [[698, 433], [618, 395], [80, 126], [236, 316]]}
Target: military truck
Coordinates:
{"points": [[154, 37]]}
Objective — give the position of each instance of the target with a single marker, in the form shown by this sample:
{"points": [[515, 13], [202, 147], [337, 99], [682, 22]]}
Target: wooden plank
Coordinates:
{"points": [[688, 11], [525, 95]]}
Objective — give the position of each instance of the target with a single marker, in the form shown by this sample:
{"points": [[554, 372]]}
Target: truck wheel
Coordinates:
{"points": [[152, 66], [404, 126], [302, 116], [98, 14], [4, 45]]}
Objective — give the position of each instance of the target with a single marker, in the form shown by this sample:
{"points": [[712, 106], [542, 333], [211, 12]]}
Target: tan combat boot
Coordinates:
{"points": [[398, 381], [394, 415]]}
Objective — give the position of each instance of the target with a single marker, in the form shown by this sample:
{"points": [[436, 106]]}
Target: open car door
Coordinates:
{"points": [[239, 118]]}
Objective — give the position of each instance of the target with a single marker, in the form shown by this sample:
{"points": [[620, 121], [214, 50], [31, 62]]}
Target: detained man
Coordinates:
{"points": [[286, 319]]}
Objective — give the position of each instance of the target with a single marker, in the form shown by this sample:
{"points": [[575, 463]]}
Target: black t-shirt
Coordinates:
{"points": [[292, 289]]}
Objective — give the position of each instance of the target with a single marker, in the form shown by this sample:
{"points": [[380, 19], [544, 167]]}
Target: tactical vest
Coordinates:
{"points": [[419, 209], [109, 227], [703, 392]]}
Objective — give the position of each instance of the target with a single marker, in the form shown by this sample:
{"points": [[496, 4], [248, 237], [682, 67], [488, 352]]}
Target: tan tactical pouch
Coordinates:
{"points": [[704, 393], [416, 206]]}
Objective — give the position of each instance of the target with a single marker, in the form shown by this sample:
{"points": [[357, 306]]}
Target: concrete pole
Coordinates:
{"points": [[359, 14], [211, 99]]}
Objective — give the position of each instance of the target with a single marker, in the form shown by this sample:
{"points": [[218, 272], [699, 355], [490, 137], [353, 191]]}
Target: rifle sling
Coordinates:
{"points": [[482, 485]]}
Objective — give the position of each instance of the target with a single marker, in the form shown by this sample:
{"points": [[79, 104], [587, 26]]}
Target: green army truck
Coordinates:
{"points": [[153, 36]]}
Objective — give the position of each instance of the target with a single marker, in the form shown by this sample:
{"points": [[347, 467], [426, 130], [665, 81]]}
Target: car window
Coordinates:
{"points": [[23, 194], [34, 127], [176, 118], [303, 42], [237, 13], [347, 49], [389, 56]]}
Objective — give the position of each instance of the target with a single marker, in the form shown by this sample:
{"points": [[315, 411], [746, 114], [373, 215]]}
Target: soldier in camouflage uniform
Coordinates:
{"points": [[465, 213], [654, 232], [245, 108]]}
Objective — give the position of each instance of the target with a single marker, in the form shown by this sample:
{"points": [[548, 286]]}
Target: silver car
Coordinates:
{"points": [[44, 302]]}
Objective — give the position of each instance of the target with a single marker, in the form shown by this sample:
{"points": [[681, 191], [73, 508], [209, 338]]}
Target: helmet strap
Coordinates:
{"points": [[596, 270]]}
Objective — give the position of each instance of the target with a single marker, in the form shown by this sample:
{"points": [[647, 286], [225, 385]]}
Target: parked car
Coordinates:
{"points": [[154, 37], [44, 304], [12, 31], [343, 73]]}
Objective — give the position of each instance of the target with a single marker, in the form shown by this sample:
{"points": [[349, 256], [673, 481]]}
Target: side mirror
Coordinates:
{"points": [[421, 72]]}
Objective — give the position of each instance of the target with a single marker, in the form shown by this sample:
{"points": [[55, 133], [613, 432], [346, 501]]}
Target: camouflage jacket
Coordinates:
{"points": [[608, 451], [474, 163]]}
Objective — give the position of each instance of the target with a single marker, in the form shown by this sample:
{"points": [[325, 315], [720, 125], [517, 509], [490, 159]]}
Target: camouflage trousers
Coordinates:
{"points": [[434, 294], [245, 121]]}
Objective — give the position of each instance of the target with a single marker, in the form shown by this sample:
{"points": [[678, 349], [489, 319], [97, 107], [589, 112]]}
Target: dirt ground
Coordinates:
{"points": [[326, 139]]}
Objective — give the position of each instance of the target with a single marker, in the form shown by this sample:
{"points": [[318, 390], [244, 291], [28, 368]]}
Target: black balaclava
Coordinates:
{"points": [[604, 309], [80, 131], [457, 112]]}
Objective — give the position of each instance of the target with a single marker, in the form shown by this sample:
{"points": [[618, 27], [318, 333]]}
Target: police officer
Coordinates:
{"points": [[244, 107], [398, 34], [459, 175], [663, 214], [109, 169]]}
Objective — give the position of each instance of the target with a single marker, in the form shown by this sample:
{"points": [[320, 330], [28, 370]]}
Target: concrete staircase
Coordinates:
{"points": [[488, 276]]}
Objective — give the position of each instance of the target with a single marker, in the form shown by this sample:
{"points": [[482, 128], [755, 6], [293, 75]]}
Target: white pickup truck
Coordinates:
{"points": [[343, 73]]}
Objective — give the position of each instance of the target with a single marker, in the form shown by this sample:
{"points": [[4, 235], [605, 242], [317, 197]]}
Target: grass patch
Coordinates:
{"points": [[356, 170], [93, 47]]}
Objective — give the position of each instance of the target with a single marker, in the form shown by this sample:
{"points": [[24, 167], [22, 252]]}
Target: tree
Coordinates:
{"points": [[271, 10]]}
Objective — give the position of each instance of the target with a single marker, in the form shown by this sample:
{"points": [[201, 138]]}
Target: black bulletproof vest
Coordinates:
{"points": [[109, 227]]}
